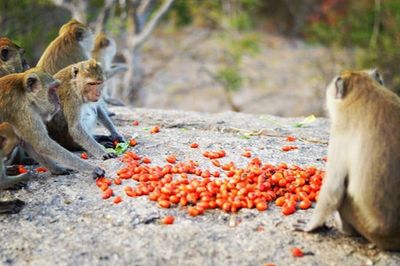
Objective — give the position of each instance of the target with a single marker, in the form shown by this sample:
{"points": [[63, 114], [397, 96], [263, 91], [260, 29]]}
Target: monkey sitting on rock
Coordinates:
{"points": [[80, 89], [362, 181]]}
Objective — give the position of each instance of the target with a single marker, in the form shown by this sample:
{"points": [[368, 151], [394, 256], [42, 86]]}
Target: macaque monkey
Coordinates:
{"points": [[363, 171], [8, 140], [80, 89], [11, 57], [26, 101], [104, 51], [73, 44]]}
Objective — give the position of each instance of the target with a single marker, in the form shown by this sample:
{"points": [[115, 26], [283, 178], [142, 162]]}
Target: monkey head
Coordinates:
{"points": [[89, 79], [11, 57], [41, 90], [105, 45], [73, 31]]}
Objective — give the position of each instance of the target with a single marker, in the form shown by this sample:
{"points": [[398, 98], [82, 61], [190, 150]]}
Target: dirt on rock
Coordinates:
{"points": [[66, 222]]}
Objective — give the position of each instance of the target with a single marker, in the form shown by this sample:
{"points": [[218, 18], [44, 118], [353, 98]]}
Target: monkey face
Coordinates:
{"points": [[11, 57], [92, 90], [89, 78]]}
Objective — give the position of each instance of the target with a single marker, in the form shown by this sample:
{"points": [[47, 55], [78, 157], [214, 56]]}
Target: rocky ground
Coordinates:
{"points": [[66, 222], [287, 77]]}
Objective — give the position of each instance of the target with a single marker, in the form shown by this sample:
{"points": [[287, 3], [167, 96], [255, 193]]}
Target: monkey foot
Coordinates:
{"points": [[302, 226], [11, 207]]}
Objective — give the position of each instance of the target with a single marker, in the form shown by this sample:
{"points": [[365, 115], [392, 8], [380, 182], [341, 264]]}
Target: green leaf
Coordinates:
{"points": [[308, 120], [121, 148]]}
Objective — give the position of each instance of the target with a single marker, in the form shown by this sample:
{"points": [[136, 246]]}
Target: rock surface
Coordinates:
{"points": [[66, 222]]}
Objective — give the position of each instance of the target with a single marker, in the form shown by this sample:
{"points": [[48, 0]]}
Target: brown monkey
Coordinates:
{"points": [[11, 57], [80, 89], [8, 140], [363, 171], [103, 52], [26, 100], [72, 45]]}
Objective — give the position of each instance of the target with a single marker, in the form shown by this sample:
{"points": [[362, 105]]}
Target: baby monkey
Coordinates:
{"points": [[80, 90], [363, 171]]}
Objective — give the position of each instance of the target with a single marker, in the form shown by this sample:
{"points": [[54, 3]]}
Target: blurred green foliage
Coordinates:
{"points": [[371, 27]]}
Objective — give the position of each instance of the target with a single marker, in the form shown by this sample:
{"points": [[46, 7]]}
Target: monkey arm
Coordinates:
{"points": [[107, 123], [80, 134], [36, 135], [115, 69], [332, 192]]}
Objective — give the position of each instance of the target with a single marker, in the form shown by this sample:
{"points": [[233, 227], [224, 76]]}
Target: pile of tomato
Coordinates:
{"points": [[227, 187]]}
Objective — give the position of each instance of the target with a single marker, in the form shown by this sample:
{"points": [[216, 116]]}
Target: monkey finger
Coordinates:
{"points": [[109, 156], [102, 138], [108, 144]]}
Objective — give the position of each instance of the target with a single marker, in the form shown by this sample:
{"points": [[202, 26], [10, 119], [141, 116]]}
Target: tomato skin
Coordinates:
{"points": [[169, 219], [117, 199], [297, 252], [84, 156], [194, 145], [154, 130], [132, 142], [291, 138], [135, 123], [171, 159]]}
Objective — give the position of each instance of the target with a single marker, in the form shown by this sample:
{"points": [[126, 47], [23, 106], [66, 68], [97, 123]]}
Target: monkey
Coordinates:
{"points": [[73, 45], [363, 171], [103, 52], [27, 100], [7, 143], [80, 89], [11, 57]]}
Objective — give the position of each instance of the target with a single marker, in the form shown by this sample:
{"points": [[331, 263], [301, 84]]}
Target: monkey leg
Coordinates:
{"points": [[11, 207], [343, 226], [331, 195]]}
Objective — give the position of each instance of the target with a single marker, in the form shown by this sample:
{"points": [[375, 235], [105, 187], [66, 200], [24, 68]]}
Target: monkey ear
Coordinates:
{"points": [[340, 89], [74, 71], [4, 54], [79, 34], [377, 76], [2, 142], [31, 83]]}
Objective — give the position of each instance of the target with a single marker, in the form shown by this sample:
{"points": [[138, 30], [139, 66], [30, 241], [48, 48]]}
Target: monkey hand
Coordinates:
{"points": [[11, 207], [109, 155], [119, 138], [98, 172]]}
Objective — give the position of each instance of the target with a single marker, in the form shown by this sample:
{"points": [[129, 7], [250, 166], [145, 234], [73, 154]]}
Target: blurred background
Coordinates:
{"points": [[254, 56]]}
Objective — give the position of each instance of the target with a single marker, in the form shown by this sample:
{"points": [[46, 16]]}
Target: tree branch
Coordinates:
{"points": [[149, 28]]}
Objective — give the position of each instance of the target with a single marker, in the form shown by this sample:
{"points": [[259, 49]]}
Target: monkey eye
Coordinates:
{"points": [[4, 54], [94, 83]]}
